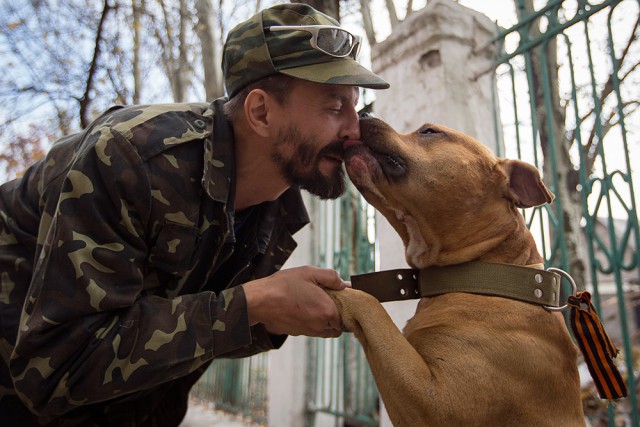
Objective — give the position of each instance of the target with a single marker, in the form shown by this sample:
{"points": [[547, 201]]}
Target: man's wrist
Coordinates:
{"points": [[255, 296]]}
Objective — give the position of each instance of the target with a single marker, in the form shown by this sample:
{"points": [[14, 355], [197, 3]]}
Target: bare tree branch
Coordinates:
{"points": [[208, 48], [121, 94], [409, 8], [181, 68], [85, 100], [137, 7], [166, 45], [604, 94], [393, 15], [367, 22]]}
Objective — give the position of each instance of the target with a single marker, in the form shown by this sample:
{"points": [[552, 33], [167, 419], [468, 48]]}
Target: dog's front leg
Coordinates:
{"points": [[397, 367]]}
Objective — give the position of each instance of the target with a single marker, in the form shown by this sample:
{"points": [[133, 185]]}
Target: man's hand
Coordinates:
{"points": [[293, 302]]}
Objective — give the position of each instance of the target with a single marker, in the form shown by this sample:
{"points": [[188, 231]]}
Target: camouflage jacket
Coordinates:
{"points": [[121, 241]]}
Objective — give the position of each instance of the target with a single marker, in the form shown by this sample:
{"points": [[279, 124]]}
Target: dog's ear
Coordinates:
{"points": [[524, 186]]}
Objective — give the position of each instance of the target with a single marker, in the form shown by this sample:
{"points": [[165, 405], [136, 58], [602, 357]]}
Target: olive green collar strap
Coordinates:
{"points": [[517, 282]]}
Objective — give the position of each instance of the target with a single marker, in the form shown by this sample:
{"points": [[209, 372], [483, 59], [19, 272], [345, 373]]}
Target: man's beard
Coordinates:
{"points": [[302, 167]]}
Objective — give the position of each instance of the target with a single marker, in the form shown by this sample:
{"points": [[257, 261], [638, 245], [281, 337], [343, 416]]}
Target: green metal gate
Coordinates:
{"points": [[340, 386], [567, 94], [238, 386]]}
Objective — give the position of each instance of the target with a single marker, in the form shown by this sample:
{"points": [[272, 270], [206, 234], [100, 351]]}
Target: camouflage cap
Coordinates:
{"points": [[250, 53]]}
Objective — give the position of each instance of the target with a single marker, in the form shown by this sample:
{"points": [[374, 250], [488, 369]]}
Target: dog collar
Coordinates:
{"points": [[533, 285]]}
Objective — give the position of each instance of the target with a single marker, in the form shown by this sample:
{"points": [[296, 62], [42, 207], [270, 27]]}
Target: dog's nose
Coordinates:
{"points": [[364, 115]]}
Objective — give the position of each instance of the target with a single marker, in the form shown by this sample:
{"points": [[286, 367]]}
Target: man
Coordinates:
{"points": [[147, 245]]}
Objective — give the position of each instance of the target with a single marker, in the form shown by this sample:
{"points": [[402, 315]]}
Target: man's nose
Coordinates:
{"points": [[352, 127]]}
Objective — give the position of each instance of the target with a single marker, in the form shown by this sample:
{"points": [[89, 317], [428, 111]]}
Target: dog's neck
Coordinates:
{"points": [[518, 247], [507, 242]]}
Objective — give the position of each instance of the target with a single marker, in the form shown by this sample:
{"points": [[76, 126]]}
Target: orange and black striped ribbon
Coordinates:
{"points": [[596, 347]]}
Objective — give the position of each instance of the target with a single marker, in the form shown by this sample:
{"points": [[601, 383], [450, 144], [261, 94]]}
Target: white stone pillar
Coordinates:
{"points": [[440, 70], [286, 387]]}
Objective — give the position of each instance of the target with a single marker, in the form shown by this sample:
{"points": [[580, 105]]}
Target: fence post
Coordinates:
{"points": [[441, 71]]}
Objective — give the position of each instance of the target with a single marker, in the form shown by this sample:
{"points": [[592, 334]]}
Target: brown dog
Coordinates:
{"points": [[464, 359]]}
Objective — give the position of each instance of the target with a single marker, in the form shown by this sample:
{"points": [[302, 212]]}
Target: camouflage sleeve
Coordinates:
{"points": [[261, 341], [92, 327]]}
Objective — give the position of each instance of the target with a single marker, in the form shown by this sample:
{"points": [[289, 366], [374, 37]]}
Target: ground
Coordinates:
{"points": [[201, 414]]}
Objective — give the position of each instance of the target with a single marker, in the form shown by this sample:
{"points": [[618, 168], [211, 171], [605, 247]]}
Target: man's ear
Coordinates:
{"points": [[524, 186], [256, 110]]}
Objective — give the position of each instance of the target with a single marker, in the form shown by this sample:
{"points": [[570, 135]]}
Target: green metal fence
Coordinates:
{"points": [[238, 386], [567, 95], [565, 101], [339, 382]]}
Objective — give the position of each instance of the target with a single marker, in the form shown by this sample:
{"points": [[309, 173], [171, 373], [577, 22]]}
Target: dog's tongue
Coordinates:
{"points": [[350, 143]]}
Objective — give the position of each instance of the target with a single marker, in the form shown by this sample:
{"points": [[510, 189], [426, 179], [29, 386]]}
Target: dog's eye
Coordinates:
{"points": [[428, 131]]}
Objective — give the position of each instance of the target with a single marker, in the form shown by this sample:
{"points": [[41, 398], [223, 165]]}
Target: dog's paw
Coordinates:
{"points": [[340, 298], [353, 305]]}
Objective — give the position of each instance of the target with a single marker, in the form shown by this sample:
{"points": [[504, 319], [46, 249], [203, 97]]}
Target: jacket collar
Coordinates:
{"points": [[219, 156], [219, 177]]}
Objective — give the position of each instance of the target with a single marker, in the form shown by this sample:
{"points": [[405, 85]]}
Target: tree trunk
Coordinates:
{"points": [[393, 16], [86, 97], [164, 36], [551, 125], [137, 7], [210, 57], [367, 22], [181, 67]]}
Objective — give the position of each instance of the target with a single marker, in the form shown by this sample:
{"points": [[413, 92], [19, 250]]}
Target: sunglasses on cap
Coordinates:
{"points": [[329, 39]]}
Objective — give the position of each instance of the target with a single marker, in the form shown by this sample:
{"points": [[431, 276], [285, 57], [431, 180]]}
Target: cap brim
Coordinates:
{"points": [[342, 71]]}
